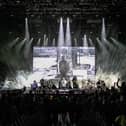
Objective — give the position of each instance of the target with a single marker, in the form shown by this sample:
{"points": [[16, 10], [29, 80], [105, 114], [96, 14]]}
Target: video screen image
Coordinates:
{"points": [[57, 62]]}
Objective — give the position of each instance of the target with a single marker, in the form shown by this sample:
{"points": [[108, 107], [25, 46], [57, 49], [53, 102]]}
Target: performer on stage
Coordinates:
{"points": [[63, 67]]}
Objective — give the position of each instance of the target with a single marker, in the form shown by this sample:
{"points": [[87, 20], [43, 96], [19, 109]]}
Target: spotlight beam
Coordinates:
{"points": [[54, 42], [85, 43], [20, 45], [61, 34], [91, 42], [27, 34], [28, 48], [44, 40], [39, 42], [13, 43], [68, 35], [75, 42], [103, 32]]}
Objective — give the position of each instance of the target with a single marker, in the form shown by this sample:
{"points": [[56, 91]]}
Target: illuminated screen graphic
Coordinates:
{"points": [[57, 62]]}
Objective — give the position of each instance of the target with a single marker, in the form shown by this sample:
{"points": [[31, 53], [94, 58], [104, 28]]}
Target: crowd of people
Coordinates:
{"points": [[101, 107]]}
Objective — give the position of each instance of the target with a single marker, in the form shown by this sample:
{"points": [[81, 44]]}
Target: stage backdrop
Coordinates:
{"points": [[57, 62]]}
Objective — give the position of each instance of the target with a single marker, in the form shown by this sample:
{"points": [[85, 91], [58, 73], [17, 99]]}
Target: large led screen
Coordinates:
{"points": [[58, 62]]}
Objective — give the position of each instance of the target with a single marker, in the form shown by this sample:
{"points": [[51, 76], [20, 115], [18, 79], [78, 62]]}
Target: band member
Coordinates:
{"points": [[62, 83], [34, 85], [75, 82]]}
